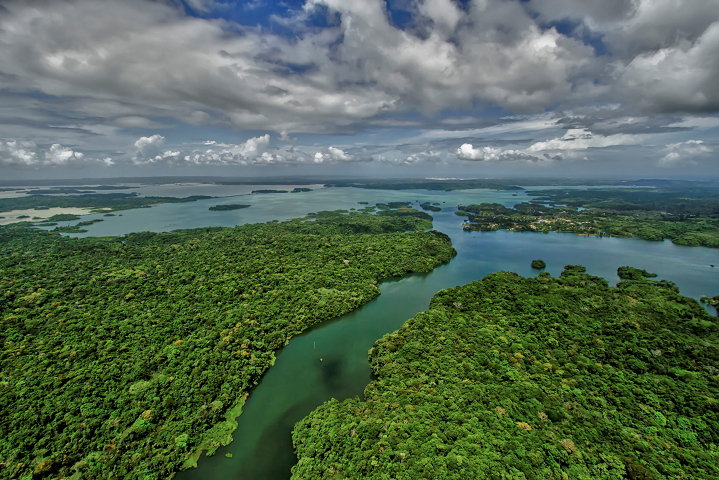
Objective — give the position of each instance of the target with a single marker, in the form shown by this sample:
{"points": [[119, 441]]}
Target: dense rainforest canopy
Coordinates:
{"points": [[532, 378], [126, 357]]}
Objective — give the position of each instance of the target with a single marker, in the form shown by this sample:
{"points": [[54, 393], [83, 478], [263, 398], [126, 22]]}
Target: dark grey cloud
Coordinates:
{"points": [[664, 52], [633, 27]]}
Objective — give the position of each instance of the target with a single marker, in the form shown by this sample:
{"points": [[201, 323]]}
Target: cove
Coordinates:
{"points": [[330, 359]]}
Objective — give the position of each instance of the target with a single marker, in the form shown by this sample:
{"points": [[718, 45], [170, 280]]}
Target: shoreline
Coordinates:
{"points": [[42, 215]]}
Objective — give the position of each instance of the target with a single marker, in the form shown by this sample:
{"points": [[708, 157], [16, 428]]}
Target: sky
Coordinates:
{"points": [[400, 88]]}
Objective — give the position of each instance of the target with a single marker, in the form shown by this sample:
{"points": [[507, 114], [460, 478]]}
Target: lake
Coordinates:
{"points": [[330, 360]]}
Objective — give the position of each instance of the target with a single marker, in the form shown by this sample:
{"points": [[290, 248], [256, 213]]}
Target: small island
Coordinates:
{"points": [[270, 191], [231, 206], [301, 189], [631, 273], [538, 264], [713, 301], [430, 206], [78, 227], [63, 217]]}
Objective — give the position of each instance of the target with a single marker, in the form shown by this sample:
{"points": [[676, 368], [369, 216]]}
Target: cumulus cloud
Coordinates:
{"points": [[664, 51], [410, 160], [13, 152], [148, 147], [336, 155], [491, 154], [684, 152], [632, 27], [59, 155], [28, 154], [681, 77], [150, 151], [252, 146], [444, 13]]}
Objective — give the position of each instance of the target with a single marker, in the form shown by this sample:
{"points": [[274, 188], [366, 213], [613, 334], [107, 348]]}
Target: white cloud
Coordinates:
{"points": [[148, 147], [59, 155], [491, 154], [684, 152], [681, 77], [582, 139], [213, 153], [444, 13], [28, 154], [337, 155], [409, 160], [13, 152], [252, 146]]}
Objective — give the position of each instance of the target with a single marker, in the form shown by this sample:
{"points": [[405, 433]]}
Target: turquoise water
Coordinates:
{"points": [[330, 360]]}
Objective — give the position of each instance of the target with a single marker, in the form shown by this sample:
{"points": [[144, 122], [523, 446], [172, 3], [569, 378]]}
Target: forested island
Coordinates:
{"points": [[694, 223], [111, 201], [77, 228], [713, 301], [432, 207], [127, 357], [538, 264], [230, 206], [532, 378]]}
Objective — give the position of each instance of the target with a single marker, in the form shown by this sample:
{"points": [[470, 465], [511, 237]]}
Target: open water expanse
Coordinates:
{"points": [[330, 360]]}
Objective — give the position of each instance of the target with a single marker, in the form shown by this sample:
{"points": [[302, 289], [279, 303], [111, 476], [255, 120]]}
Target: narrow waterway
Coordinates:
{"points": [[330, 360]]}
